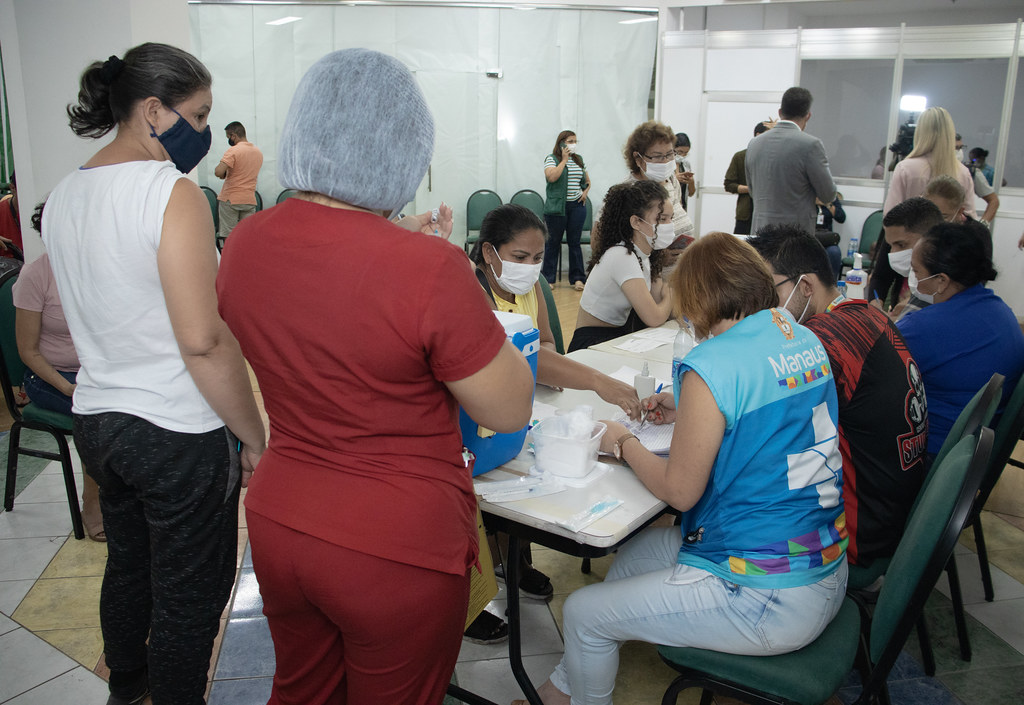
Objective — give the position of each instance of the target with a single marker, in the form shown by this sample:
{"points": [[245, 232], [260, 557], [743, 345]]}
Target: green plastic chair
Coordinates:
{"points": [[811, 675], [211, 198], [977, 413], [57, 425], [553, 321], [869, 234], [480, 203], [528, 198], [287, 193], [259, 201]]}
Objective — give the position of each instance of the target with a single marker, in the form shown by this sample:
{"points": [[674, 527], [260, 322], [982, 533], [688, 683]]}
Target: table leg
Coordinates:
{"points": [[515, 643]]}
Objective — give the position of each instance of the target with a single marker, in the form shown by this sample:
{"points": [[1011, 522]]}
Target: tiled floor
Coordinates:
{"points": [[51, 652]]}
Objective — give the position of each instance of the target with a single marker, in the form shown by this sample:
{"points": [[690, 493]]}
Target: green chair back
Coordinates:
{"points": [[944, 508], [1008, 432], [556, 326], [259, 202], [869, 234], [287, 193], [13, 367], [588, 223], [979, 412], [211, 198], [480, 203], [528, 198]]}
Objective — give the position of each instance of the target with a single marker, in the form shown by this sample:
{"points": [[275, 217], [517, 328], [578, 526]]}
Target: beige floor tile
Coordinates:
{"points": [[643, 678], [564, 570], [83, 645], [999, 534], [77, 559], [243, 539], [1010, 561], [61, 603]]}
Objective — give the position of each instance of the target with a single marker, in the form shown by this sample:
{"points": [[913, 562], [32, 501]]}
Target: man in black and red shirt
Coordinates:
{"points": [[883, 417]]}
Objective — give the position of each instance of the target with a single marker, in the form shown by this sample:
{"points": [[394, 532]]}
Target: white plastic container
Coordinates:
{"points": [[559, 455]]}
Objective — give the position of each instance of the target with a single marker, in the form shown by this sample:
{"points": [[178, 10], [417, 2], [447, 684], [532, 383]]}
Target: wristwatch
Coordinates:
{"points": [[618, 444]]}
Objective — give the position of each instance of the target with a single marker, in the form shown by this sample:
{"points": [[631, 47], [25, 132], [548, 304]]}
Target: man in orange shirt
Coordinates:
{"points": [[239, 168]]}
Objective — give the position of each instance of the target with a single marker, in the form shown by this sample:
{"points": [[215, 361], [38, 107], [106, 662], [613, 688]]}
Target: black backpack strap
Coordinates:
{"points": [[485, 284]]}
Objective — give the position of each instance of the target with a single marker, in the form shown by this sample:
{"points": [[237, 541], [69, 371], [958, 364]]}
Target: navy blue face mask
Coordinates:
{"points": [[184, 144]]}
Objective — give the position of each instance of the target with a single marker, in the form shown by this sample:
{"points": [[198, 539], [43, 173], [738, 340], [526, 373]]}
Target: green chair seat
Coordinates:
{"points": [[33, 413], [829, 657]]}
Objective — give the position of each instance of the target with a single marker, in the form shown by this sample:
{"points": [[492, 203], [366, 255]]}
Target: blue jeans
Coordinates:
{"points": [[44, 395], [635, 602], [571, 224]]}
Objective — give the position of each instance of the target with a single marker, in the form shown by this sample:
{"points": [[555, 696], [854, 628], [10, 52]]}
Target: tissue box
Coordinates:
{"points": [[560, 455], [494, 449]]}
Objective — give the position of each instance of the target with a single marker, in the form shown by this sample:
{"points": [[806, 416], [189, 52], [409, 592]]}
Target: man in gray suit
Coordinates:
{"points": [[787, 168]]}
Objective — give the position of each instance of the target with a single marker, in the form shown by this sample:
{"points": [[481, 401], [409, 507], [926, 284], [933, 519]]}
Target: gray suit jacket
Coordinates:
{"points": [[786, 168]]}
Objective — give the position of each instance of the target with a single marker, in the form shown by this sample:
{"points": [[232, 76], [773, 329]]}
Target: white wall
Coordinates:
{"points": [[46, 46]]}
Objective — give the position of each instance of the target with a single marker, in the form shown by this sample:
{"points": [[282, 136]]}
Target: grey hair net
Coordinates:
{"points": [[358, 130]]}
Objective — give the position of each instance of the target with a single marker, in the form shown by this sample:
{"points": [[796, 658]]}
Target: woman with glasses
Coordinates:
{"points": [[625, 291], [565, 207], [650, 154]]}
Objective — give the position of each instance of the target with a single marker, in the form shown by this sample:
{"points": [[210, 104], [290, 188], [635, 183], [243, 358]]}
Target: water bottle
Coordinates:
{"points": [[852, 247], [856, 279], [682, 345]]}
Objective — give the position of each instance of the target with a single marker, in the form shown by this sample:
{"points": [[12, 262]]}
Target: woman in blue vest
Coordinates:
{"points": [[755, 468], [565, 208]]}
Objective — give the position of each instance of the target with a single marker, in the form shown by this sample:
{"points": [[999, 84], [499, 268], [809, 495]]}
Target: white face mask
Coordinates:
{"points": [[516, 277], [900, 261], [800, 318], [913, 281], [572, 146], [959, 155], [658, 171], [664, 235]]}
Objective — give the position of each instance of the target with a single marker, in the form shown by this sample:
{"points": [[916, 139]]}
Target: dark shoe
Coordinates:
{"points": [[532, 584], [129, 688], [487, 629]]}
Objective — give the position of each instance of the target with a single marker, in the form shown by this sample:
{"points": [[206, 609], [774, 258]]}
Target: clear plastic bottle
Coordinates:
{"points": [[682, 345], [856, 279]]}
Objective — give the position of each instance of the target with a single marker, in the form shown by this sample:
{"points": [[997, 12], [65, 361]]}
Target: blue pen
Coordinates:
{"points": [[875, 293], [658, 390]]}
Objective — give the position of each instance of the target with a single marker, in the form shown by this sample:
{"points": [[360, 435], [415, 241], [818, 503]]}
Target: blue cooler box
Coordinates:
{"points": [[494, 449]]}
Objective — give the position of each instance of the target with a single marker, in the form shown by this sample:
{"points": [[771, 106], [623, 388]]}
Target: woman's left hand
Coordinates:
{"points": [[423, 222], [615, 432], [583, 195]]}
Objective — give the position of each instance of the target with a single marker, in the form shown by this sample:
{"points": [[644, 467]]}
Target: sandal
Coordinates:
{"points": [[487, 628], [578, 286], [535, 585]]}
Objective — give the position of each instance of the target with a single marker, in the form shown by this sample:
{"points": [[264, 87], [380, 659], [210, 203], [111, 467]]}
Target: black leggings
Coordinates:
{"points": [[170, 512], [588, 336]]}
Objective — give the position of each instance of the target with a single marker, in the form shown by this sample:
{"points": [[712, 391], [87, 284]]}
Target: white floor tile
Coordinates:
{"points": [[32, 520], [12, 592], [28, 662], [7, 625], [540, 635], [47, 488], [54, 466], [493, 679], [77, 686], [1003, 586], [1004, 617], [25, 559]]}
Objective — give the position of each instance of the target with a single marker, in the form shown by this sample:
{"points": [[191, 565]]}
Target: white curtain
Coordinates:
{"points": [[560, 69]]}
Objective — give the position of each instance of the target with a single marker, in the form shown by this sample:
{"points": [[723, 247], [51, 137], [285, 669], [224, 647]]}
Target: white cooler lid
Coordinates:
{"points": [[514, 322]]}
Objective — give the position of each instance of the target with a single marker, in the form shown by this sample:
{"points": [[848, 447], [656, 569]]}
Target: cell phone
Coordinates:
{"points": [[563, 145]]}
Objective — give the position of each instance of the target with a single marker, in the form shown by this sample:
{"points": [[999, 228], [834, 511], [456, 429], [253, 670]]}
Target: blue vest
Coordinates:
{"points": [[772, 513]]}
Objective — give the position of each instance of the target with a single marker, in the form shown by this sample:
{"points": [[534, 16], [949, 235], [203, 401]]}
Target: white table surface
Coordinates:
{"points": [[639, 505], [662, 353]]}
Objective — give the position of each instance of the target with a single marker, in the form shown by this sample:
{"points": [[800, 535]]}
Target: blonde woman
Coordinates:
{"points": [[934, 154]]}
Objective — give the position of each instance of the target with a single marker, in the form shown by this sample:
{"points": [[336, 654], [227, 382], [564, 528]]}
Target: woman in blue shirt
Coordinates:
{"points": [[968, 333], [755, 468]]}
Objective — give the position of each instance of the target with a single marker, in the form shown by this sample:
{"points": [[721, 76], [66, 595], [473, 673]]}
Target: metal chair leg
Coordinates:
{"points": [[958, 609], [12, 466], [69, 484], [925, 641], [986, 572]]}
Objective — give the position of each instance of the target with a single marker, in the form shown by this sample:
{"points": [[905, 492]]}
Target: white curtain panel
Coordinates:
{"points": [[560, 69]]}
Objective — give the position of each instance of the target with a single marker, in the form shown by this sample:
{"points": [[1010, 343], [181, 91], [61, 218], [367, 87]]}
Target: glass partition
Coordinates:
{"points": [[850, 113], [970, 89], [1014, 174]]}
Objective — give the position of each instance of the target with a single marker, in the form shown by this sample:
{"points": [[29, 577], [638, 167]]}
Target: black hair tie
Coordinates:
{"points": [[112, 68]]}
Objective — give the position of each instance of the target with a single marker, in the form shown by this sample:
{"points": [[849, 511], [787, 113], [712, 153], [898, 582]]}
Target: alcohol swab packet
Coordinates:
{"points": [[581, 520]]}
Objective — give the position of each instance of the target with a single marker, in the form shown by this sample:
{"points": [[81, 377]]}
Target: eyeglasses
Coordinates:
{"points": [[784, 281], [664, 157]]}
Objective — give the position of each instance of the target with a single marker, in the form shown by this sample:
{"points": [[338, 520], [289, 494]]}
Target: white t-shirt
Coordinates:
{"points": [[102, 228], [603, 297]]}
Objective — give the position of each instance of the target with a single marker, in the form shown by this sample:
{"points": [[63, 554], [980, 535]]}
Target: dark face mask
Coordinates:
{"points": [[232, 141], [184, 144]]}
